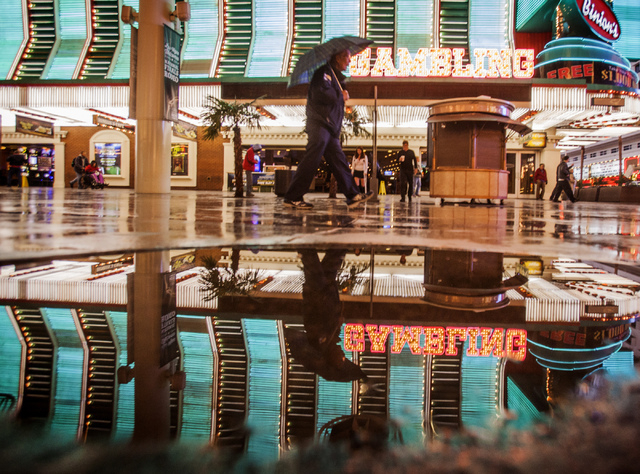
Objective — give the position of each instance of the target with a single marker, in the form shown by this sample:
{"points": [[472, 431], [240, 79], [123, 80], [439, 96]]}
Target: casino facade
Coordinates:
{"points": [[568, 66]]}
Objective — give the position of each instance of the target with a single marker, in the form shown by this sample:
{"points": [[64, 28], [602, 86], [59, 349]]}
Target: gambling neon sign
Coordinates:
{"points": [[437, 340], [445, 62]]}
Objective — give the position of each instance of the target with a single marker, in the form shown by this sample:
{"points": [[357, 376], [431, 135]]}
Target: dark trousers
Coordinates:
{"points": [[406, 180], [562, 185], [322, 307], [321, 143], [14, 173]]}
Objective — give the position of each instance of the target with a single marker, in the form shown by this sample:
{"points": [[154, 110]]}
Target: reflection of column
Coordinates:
{"points": [[151, 382], [153, 134]]}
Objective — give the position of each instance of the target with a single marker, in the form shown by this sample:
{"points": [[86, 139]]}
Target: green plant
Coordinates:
{"points": [[219, 281], [597, 181], [622, 180], [218, 114]]}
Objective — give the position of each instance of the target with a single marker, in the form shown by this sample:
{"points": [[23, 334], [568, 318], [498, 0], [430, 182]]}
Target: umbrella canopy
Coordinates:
{"points": [[312, 60]]}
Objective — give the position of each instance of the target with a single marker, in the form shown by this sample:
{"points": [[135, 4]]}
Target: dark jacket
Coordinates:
{"points": [[79, 163], [563, 171], [409, 163], [325, 102], [17, 161]]}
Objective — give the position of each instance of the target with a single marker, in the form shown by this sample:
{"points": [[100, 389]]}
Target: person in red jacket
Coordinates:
{"points": [[540, 179], [248, 166]]}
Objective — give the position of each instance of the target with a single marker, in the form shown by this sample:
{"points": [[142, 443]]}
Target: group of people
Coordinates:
{"points": [[82, 168], [564, 176]]}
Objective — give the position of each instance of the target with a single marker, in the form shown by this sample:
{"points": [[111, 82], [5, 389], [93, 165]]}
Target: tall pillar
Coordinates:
{"points": [[153, 134]]}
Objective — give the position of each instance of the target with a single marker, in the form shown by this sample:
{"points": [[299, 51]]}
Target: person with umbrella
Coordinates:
{"points": [[325, 111]]}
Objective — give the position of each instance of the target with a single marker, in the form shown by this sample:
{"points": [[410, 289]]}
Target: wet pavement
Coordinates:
{"points": [[45, 223]]}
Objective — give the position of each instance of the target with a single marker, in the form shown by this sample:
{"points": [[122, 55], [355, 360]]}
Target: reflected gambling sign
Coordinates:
{"points": [[437, 340], [445, 62]]}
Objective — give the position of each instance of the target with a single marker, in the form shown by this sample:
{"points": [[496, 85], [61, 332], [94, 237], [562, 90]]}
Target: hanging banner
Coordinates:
{"points": [[33, 126], [171, 74], [185, 130], [169, 349]]}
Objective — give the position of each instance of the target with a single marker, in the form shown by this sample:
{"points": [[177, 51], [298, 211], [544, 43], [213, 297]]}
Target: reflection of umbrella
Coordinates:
{"points": [[320, 363], [320, 54]]}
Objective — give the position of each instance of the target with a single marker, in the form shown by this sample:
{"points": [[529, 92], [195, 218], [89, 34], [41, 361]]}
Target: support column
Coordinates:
{"points": [[153, 134]]}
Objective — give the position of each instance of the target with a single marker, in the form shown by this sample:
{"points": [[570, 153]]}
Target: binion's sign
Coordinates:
{"points": [[437, 340], [600, 19], [445, 62]]}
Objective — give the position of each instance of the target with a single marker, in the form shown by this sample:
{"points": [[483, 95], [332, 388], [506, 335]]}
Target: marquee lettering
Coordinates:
{"points": [[445, 62], [437, 340], [600, 18]]}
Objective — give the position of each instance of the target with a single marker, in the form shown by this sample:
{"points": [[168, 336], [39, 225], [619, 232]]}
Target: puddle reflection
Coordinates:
{"points": [[265, 349]]}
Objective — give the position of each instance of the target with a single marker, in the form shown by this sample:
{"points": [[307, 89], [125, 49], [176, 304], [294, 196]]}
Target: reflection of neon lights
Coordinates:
{"points": [[445, 62], [483, 342], [564, 349]]}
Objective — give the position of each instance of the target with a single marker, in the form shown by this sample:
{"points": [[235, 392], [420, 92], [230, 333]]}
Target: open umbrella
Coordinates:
{"points": [[320, 54]]}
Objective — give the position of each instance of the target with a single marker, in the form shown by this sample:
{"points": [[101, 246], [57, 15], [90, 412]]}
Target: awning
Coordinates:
{"points": [[514, 125]]}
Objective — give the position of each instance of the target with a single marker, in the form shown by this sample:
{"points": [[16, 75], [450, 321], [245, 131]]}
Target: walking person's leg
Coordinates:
{"points": [[337, 161], [316, 144], [249, 182]]}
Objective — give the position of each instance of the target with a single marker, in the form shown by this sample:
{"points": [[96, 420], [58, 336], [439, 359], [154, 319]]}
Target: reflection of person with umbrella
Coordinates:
{"points": [[325, 111], [319, 349]]}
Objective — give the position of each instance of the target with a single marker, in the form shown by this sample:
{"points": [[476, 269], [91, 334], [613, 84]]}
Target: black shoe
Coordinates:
{"points": [[71, 185], [402, 199], [298, 204], [359, 198]]}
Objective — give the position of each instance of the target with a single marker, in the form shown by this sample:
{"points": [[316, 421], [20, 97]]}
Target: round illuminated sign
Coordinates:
{"points": [[600, 19]]}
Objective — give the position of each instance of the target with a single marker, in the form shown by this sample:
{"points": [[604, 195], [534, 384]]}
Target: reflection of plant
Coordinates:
{"points": [[223, 281], [348, 275]]}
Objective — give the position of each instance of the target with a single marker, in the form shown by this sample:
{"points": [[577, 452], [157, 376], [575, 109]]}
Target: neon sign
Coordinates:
{"points": [[600, 18], [437, 340], [445, 62]]}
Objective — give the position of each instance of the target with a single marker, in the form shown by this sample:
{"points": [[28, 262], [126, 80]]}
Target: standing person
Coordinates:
{"points": [[15, 161], [360, 168], [408, 166], [540, 178], [248, 166], [79, 163], [417, 182], [325, 112], [562, 176]]}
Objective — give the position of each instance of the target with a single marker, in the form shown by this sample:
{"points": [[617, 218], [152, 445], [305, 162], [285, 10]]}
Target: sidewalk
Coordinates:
{"points": [[46, 223]]}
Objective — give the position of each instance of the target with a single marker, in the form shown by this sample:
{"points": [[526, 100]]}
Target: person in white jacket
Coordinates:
{"points": [[360, 168]]}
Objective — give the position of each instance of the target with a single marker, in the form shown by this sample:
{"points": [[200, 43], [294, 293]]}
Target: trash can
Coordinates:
{"points": [[283, 179]]}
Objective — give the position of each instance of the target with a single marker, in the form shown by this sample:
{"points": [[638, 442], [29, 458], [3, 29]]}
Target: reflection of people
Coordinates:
{"points": [[248, 165], [360, 168], [319, 349], [563, 175], [79, 164], [15, 162], [408, 165], [325, 112], [540, 178]]}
